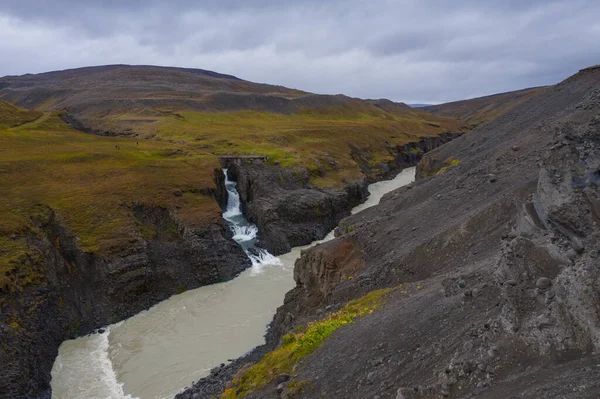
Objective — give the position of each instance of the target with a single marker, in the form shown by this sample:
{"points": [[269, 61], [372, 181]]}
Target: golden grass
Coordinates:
{"points": [[479, 110]]}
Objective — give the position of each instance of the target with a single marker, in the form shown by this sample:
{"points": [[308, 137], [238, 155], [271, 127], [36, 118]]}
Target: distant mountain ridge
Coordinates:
{"points": [[420, 105], [74, 72], [133, 98]]}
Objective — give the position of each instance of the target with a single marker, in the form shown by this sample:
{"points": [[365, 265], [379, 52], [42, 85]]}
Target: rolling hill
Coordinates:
{"points": [[482, 109], [221, 114]]}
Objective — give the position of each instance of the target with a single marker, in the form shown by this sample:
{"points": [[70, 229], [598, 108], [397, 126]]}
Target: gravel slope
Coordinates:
{"points": [[497, 263]]}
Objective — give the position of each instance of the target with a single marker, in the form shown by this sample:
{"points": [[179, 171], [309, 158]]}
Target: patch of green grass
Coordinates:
{"points": [[19, 265], [11, 253], [310, 139], [91, 183], [11, 115], [436, 169], [448, 163], [296, 345]]}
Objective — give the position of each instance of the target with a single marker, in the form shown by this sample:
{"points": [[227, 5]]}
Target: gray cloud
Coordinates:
{"points": [[409, 50]]}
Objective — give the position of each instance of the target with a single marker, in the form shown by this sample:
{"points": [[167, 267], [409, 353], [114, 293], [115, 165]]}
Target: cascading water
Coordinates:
{"points": [[244, 232], [156, 353]]}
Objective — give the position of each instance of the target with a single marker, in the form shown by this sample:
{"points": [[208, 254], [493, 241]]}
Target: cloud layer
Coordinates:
{"points": [[409, 50]]}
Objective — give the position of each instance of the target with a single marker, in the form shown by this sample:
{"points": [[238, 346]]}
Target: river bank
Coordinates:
{"points": [[159, 351], [489, 265]]}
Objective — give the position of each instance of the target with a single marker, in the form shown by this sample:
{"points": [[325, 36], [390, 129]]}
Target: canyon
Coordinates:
{"points": [[487, 265], [120, 208], [477, 278]]}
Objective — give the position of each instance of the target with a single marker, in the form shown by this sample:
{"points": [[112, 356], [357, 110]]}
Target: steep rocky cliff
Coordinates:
{"points": [[492, 257], [405, 155], [103, 221], [78, 292], [290, 211], [287, 210]]}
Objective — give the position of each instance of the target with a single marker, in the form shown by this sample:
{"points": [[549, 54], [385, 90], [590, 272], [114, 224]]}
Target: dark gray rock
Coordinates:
{"points": [[543, 283], [423, 329], [286, 209], [84, 291], [282, 378]]}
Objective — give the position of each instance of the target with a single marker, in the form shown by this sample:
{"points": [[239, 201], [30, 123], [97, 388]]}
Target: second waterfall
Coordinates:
{"points": [[244, 232]]}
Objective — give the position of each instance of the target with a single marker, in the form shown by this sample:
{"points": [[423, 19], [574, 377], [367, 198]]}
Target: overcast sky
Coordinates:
{"points": [[405, 50]]}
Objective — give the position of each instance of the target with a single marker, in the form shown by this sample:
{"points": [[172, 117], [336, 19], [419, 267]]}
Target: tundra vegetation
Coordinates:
{"points": [[91, 183]]}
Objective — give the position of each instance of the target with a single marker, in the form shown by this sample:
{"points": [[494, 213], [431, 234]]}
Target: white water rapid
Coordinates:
{"points": [[244, 233], [156, 353]]}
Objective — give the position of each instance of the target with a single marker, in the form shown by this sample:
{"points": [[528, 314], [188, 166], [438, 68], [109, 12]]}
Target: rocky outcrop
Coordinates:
{"points": [[78, 292], [494, 265], [404, 156], [267, 192], [291, 212], [77, 124]]}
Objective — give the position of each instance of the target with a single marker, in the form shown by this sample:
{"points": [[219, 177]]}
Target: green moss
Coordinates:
{"points": [[19, 265], [148, 232], [317, 209], [296, 345], [448, 163]]}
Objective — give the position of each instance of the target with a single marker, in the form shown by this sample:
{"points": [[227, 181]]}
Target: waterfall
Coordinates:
{"points": [[244, 232], [182, 338]]}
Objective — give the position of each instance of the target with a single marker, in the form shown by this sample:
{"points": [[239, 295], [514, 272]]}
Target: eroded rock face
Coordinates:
{"points": [[516, 257], [566, 265], [404, 156], [287, 210], [80, 292], [290, 212], [495, 261]]}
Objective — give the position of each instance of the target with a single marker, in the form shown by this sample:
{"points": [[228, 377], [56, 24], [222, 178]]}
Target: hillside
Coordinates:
{"points": [[11, 116], [480, 279], [111, 190], [482, 109], [221, 114]]}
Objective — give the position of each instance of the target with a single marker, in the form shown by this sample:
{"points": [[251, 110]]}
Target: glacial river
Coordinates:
{"points": [[158, 352]]}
